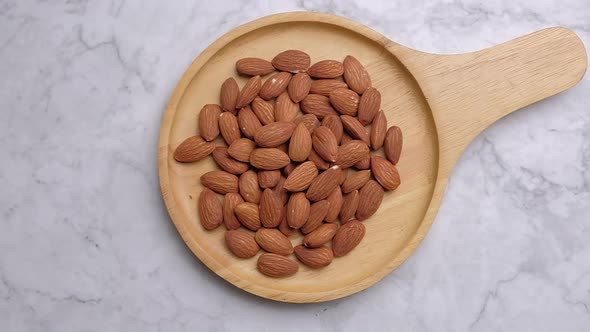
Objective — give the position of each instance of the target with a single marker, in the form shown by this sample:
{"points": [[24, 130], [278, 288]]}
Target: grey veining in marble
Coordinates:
{"points": [[86, 243]]}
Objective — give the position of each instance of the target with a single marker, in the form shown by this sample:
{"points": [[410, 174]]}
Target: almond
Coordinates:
{"points": [[228, 95], [193, 149], [392, 146], [350, 202], [229, 127], [209, 122], [254, 67], [274, 134], [275, 85], [364, 163], [326, 69], [230, 201], [345, 101], [369, 105], [355, 181], [343, 175], [249, 92], [325, 144], [310, 121], [293, 61], [319, 162], [299, 87], [314, 258], [284, 147], [351, 152], [371, 196], [347, 237], [280, 190], [301, 177], [324, 184], [325, 87], [285, 109], [300, 143], [335, 200], [276, 266], [289, 168], [248, 187], [210, 210], [241, 148], [270, 209], [268, 179], [248, 215], [355, 129], [241, 244], [269, 159], [284, 226], [333, 123], [227, 163], [220, 181], [355, 75], [378, 130], [264, 110], [298, 209], [317, 213], [320, 236], [249, 123], [385, 173], [318, 105], [273, 241], [345, 138]]}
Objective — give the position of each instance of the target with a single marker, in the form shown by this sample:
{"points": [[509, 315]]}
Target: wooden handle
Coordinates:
{"points": [[468, 92]]}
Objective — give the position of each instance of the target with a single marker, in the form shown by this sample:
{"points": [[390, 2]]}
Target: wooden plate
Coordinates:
{"points": [[441, 102]]}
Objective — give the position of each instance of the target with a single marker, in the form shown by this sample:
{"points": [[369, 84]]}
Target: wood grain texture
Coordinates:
{"points": [[441, 102]]}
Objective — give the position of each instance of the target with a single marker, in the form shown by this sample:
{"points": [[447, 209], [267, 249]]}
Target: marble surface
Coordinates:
{"points": [[86, 243]]}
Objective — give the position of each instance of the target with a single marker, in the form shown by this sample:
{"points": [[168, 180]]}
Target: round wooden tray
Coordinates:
{"points": [[432, 141]]}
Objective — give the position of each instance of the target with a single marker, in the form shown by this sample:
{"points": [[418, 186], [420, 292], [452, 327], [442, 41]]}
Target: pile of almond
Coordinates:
{"points": [[284, 172]]}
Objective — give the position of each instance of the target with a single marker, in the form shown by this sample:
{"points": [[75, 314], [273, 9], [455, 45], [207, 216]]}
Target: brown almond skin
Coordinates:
{"points": [[230, 201], [345, 101], [264, 110], [364, 163], [326, 69], [248, 187], [371, 196], [333, 123], [274, 134], [345, 138], [273, 241], [350, 203], [369, 106], [300, 143], [319, 162], [317, 213], [351, 152], [248, 121], [314, 258], [289, 168], [293, 61], [284, 226], [249, 92], [298, 209], [301, 177], [355, 129], [276, 266], [324, 87], [275, 85], [355, 75], [248, 215], [221, 182], [392, 145], [335, 200], [268, 179], [254, 67], [241, 148], [325, 144], [299, 87], [270, 209], [385, 173], [210, 210], [310, 121], [209, 122], [324, 184], [320, 236], [378, 130], [193, 149], [242, 244], [280, 190], [318, 105], [227, 163], [228, 95], [229, 127], [347, 238], [269, 159], [355, 181], [285, 108]]}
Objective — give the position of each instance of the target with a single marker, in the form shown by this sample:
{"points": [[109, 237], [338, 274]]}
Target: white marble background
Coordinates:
{"points": [[86, 243]]}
